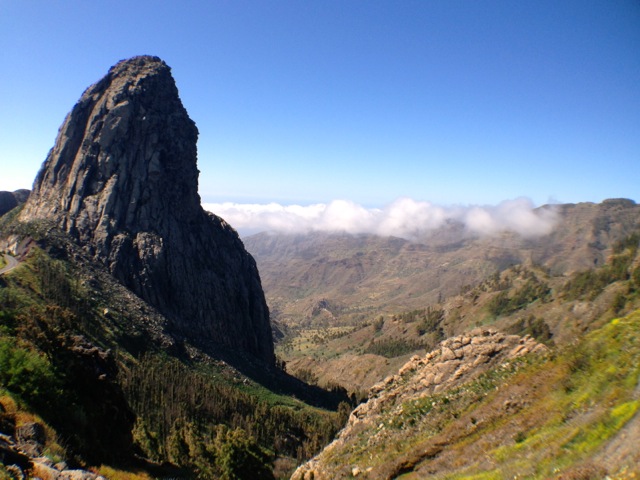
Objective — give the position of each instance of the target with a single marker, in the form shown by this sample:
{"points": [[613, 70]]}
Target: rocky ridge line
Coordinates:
{"points": [[457, 360]]}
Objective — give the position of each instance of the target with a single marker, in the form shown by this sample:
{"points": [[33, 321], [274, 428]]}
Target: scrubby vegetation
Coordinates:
{"points": [[26, 372], [211, 421], [533, 418], [103, 389], [176, 403], [590, 283], [392, 347], [510, 301], [536, 327]]}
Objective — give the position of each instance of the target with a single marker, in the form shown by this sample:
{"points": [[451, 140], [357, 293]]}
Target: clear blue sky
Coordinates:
{"points": [[451, 102]]}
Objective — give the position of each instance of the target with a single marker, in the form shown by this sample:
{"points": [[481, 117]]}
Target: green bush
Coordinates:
{"points": [[25, 372], [378, 324], [431, 321], [590, 283], [392, 347], [239, 457], [536, 327]]}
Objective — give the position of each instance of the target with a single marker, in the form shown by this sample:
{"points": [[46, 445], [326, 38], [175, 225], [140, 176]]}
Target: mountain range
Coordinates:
{"points": [[141, 337], [561, 314], [340, 278]]}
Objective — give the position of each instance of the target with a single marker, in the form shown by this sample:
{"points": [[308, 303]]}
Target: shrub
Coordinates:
{"points": [[431, 321], [25, 372], [378, 324], [239, 457], [392, 347]]}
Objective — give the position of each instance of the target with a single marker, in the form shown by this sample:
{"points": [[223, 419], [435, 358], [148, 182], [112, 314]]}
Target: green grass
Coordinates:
{"points": [[593, 401]]}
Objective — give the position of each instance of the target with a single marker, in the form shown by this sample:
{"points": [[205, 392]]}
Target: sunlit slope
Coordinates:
{"points": [[567, 414]]}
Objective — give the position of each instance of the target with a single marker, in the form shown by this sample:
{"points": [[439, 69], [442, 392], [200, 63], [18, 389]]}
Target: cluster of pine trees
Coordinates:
{"points": [[178, 405]]}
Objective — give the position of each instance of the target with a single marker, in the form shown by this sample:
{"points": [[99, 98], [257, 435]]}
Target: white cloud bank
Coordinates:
{"points": [[404, 218]]}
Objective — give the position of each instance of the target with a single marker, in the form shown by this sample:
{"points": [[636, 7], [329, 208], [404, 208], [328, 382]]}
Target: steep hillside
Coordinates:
{"points": [[482, 406], [96, 364], [337, 279]]}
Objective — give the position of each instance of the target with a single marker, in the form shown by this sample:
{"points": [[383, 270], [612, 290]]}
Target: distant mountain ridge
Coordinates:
{"points": [[356, 274], [467, 410]]}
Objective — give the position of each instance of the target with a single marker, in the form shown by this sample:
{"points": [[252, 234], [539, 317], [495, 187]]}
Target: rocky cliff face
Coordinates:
{"points": [[122, 180]]}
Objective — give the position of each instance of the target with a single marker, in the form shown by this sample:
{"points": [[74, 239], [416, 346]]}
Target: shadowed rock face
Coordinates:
{"points": [[122, 180], [10, 200]]}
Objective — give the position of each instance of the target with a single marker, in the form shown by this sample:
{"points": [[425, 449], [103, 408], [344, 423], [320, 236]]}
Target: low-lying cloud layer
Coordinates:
{"points": [[404, 218]]}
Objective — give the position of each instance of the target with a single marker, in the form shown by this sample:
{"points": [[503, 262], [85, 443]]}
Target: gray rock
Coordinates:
{"points": [[122, 180], [31, 432], [31, 438]]}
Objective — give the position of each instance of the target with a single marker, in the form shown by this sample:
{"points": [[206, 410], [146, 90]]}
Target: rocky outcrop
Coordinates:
{"points": [[456, 361], [122, 181], [21, 452]]}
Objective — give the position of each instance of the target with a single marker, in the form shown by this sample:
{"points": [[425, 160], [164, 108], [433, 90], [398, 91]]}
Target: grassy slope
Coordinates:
{"points": [[566, 409], [565, 415]]}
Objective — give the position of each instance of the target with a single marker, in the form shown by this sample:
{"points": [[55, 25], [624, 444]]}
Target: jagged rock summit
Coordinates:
{"points": [[122, 181]]}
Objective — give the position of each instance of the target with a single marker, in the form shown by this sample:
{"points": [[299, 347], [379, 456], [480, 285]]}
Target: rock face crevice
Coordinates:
{"points": [[122, 180]]}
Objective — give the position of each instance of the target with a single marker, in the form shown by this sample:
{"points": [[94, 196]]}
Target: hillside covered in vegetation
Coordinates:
{"points": [[136, 339], [133, 324], [90, 361], [564, 413]]}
